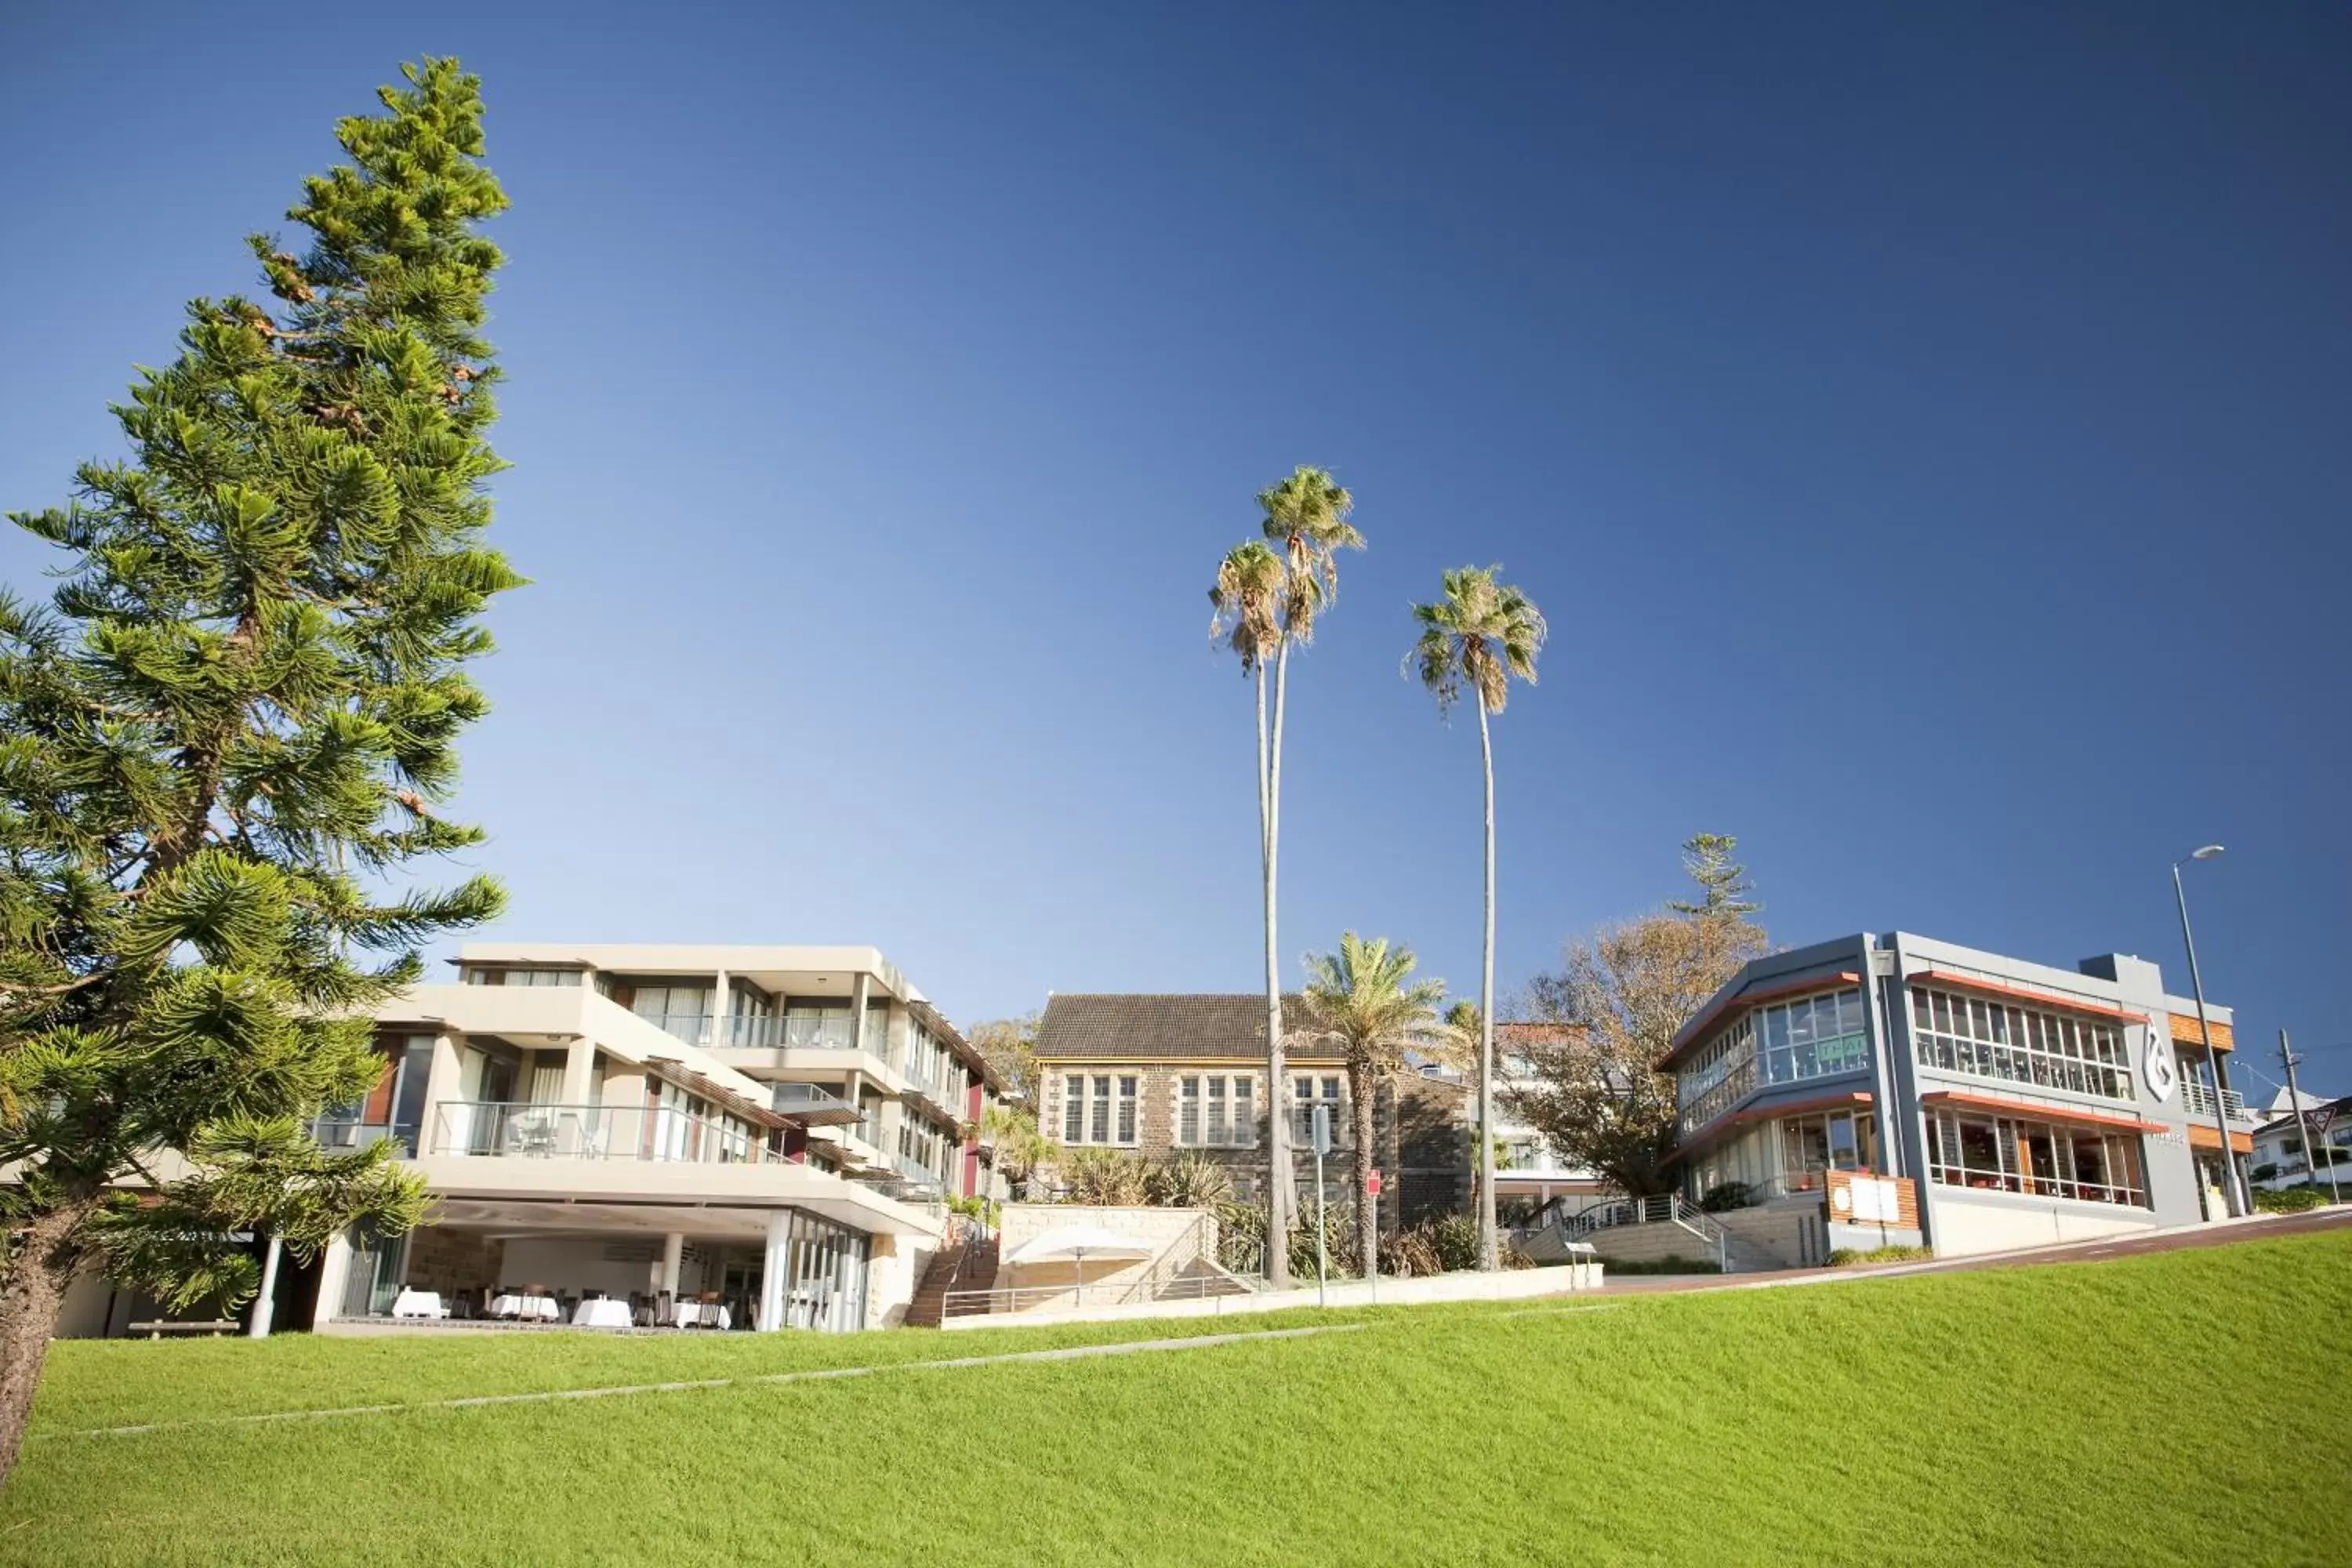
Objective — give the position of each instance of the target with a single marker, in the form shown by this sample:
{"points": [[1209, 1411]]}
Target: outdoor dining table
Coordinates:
{"points": [[700, 1315], [418, 1304], [602, 1312], [541, 1309]]}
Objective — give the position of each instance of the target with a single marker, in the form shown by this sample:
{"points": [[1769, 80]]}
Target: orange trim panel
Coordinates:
{"points": [[2184, 1032], [2019, 992], [2210, 1138], [2045, 1112]]}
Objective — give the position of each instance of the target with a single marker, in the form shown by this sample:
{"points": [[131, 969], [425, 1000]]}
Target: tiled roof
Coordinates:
{"points": [[1147, 1028]]}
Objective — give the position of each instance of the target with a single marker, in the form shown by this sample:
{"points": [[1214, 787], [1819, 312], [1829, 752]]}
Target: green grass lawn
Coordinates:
{"points": [[2064, 1413]]}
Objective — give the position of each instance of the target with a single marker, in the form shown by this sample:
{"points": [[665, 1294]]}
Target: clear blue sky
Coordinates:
{"points": [[1928, 434]]}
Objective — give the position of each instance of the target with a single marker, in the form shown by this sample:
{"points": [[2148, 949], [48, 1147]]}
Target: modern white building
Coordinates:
{"points": [[748, 1136], [2281, 1158]]}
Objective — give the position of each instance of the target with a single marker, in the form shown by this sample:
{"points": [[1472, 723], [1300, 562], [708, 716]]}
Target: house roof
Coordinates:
{"points": [[1142, 1028]]}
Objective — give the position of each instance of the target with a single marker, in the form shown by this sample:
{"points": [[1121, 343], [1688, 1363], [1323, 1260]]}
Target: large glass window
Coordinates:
{"points": [[1100, 1108], [1306, 1092], [2044, 1159], [1784, 1042], [818, 1024], [1998, 1039], [1214, 1112], [676, 1009]]}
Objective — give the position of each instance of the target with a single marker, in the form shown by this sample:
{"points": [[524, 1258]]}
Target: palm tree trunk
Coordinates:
{"points": [[1360, 1088], [1489, 1254], [1278, 1183]]}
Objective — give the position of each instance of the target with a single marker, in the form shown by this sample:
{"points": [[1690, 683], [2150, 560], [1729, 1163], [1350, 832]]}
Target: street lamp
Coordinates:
{"points": [[2230, 1196]]}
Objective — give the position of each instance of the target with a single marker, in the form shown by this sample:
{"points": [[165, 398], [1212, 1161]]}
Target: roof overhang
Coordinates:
{"points": [[2059, 1000], [1752, 1113]]}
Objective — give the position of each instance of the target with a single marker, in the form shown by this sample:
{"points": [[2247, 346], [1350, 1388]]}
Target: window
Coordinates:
{"points": [[817, 1024], [1214, 1112], [2019, 1044], [2011, 1155], [1099, 1108], [676, 1009], [1306, 1092], [1786, 1042]]}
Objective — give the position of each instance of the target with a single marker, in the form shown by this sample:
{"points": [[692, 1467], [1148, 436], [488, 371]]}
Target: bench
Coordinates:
{"points": [[215, 1327]]}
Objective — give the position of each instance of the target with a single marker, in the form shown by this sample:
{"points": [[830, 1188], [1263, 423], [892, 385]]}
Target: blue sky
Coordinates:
{"points": [[1927, 434]]}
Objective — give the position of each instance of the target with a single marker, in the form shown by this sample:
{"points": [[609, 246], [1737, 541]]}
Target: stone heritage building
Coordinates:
{"points": [[1160, 1075]]}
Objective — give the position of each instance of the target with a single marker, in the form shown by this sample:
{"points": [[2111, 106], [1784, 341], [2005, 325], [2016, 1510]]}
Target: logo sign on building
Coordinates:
{"points": [[2156, 1064]]}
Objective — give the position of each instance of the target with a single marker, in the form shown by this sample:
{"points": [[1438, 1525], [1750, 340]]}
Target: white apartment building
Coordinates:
{"points": [[767, 1134]]}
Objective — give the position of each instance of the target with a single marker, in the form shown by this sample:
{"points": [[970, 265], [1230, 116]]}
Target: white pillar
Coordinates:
{"points": [[579, 1073], [857, 995], [721, 1009], [264, 1308], [771, 1271], [673, 1257], [442, 1078], [334, 1271]]}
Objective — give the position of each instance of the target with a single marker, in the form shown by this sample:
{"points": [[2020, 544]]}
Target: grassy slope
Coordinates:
{"points": [[2047, 1414]]}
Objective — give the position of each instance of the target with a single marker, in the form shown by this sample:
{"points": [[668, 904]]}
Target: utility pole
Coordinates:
{"points": [[2303, 1128], [2233, 1196]]}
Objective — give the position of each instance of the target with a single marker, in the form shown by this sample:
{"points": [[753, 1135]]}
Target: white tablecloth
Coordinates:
{"points": [[542, 1308], [604, 1314], [699, 1315], [418, 1304]]}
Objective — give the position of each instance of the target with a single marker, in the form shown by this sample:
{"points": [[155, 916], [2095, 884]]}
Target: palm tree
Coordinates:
{"points": [[1246, 615], [1480, 633], [1364, 999], [1264, 604]]}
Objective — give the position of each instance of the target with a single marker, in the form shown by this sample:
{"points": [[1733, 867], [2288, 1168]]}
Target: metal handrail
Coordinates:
{"points": [[508, 1128], [2198, 1101]]}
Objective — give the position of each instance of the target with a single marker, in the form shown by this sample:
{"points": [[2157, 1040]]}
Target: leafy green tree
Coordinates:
{"points": [[1723, 882], [1364, 999], [1010, 1046], [1480, 632], [230, 732], [1266, 604]]}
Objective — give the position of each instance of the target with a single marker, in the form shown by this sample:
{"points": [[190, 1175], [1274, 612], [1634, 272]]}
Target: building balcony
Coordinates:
{"points": [[490, 1129], [813, 1105], [2198, 1101]]}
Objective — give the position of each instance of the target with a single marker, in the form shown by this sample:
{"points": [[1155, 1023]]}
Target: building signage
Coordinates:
{"points": [[2156, 1064]]}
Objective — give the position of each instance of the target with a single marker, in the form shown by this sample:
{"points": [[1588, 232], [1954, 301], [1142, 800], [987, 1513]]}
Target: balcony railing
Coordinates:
{"points": [[815, 1105], [2198, 1101], [828, 1032], [517, 1130], [1736, 1086], [343, 1133]]}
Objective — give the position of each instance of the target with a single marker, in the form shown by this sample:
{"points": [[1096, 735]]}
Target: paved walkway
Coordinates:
{"points": [[2099, 1250]]}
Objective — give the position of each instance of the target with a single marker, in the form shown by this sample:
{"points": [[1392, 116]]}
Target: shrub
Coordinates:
{"points": [[2261, 1173], [1674, 1265], [1407, 1253], [1845, 1257], [1724, 1196], [2294, 1200], [1111, 1177], [1190, 1180], [1241, 1242]]}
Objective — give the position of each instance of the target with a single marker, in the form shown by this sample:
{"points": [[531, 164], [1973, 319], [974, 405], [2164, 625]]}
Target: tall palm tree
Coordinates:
{"points": [[1480, 633], [1307, 516], [1246, 602], [1364, 999], [1264, 604]]}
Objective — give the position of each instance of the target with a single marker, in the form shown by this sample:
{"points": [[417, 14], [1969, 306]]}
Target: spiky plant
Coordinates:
{"points": [[1480, 633], [231, 733]]}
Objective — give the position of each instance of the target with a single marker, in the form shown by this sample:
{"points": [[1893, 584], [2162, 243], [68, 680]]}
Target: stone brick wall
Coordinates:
{"points": [[453, 1261]]}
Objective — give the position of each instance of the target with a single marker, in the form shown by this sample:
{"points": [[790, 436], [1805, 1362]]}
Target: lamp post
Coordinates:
{"points": [[2230, 1196]]}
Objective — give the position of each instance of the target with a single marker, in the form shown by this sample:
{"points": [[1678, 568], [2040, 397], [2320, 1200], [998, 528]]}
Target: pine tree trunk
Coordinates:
{"points": [[1360, 1088], [1489, 1252], [40, 1266], [1279, 1193]]}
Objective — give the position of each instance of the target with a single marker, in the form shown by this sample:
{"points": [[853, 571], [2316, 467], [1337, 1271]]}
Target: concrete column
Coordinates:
{"points": [[771, 1271], [673, 1257], [578, 1125], [335, 1273], [264, 1306], [721, 1009], [859, 993], [442, 1078]]}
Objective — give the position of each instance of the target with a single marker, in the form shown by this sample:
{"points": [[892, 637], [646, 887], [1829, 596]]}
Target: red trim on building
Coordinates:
{"points": [[1728, 1006], [1726, 1122], [2007, 1107], [2019, 992]]}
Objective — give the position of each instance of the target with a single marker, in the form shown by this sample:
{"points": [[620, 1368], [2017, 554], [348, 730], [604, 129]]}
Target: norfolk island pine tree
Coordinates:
{"points": [[231, 731]]}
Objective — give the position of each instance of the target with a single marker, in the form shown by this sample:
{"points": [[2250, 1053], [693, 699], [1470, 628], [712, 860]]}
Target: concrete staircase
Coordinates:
{"points": [[966, 1265]]}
